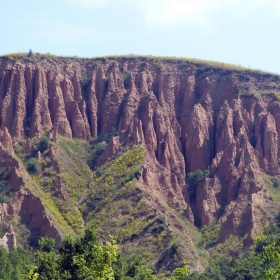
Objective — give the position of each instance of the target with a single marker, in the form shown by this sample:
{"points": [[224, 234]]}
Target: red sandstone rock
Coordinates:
{"points": [[7, 141], [110, 150], [28, 145], [24, 206], [40, 118], [187, 119]]}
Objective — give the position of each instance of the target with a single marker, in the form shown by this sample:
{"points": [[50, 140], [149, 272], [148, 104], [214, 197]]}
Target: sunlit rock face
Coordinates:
{"points": [[188, 116]]}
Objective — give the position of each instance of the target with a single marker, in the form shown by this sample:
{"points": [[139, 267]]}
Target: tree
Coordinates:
{"points": [[44, 143], [268, 247], [47, 261], [88, 257], [181, 272], [193, 180], [33, 166], [13, 263], [30, 53]]}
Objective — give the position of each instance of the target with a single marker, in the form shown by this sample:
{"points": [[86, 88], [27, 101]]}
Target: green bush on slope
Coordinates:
{"points": [[44, 143], [33, 166]]}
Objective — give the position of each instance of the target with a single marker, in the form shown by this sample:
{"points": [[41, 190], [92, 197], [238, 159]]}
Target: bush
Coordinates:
{"points": [[275, 183], [100, 148], [85, 82], [125, 77], [33, 166], [195, 177], [44, 143]]}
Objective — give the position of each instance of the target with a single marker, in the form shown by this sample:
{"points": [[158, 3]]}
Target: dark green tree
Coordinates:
{"points": [[193, 180], [33, 166], [30, 53], [44, 143]]}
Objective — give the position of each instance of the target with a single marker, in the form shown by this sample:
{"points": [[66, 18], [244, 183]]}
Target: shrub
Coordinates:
{"points": [[33, 166], [44, 143], [137, 174], [100, 148], [195, 177], [277, 218], [125, 77], [174, 247], [99, 172], [275, 182], [85, 82]]}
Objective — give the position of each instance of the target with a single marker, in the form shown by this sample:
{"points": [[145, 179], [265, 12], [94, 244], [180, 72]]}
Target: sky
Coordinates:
{"points": [[240, 32]]}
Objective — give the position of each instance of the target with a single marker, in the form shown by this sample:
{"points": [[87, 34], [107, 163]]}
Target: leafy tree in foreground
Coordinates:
{"points": [[80, 258], [13, 264], [268, 247], [87, 258], [181, 272]]}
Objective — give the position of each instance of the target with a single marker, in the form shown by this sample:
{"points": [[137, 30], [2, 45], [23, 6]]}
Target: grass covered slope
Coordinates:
{"points": [[117, 205], [155, 60], [60, 178], [111, 199]]}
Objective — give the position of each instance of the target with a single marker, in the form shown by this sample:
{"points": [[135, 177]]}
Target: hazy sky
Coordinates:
{"points": [[239, 32]]}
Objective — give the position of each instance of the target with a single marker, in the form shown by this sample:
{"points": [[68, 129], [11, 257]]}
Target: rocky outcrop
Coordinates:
{"points": [[23, 207], [28, 209], [28, 145], [110, 150], [188, 116], [207, 200], [7, 141], [197, 135], [9, 241]]}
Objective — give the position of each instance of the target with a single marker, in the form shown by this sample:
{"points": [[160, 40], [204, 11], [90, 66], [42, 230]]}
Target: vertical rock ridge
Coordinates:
{"points": [[41, 118], [198, 145], [111, 106], [58, 111], [17, 129], [93, 106], [7, 141], [8, 106]]}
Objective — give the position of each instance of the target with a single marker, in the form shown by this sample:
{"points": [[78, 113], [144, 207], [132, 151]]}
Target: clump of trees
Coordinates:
{"points": [[87, 257], [33, 165], [80, 258]]}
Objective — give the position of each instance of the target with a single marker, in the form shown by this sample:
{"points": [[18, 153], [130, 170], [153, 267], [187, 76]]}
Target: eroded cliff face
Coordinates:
{"points": [[24, 206], [188, 116]]}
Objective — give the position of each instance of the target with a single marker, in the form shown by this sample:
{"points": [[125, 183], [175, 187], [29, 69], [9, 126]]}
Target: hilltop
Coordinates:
{"points": [[173, 157]]}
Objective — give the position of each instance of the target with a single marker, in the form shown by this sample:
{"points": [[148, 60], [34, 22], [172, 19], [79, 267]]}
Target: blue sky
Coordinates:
{"points": [[239, 32]]}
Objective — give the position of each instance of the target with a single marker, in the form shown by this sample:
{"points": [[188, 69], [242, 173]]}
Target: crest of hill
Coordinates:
{"points": [[156, 60]]}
